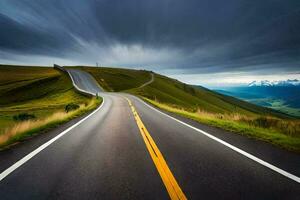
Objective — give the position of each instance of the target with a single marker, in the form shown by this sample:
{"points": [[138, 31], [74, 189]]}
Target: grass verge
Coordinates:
{"points": [[285, 134], [26, 129], [216, 109]]}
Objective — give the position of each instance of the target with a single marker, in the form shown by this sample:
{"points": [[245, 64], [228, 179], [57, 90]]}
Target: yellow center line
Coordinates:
{"points": [[164, 171]]}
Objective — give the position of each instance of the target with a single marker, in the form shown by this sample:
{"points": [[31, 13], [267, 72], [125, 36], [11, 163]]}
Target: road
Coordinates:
{"points": [[83, 81], [106, 155], [148, 82]]}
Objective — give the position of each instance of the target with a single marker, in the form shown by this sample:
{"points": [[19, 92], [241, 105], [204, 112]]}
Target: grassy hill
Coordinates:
{"points": [[117, 79], [38, 91], [204, 105], [174, 92], [42, 92]]}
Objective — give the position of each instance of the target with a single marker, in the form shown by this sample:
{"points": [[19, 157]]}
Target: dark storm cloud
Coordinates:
{"points": [[196, 36], [20, 38]]}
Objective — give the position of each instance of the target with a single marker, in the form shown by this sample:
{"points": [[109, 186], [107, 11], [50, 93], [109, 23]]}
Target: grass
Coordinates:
{"points": [[117, 79], [281, 106], [171, 91], [40, 91], [283, 133], [276, 104], [26, 129], [204, 105]]}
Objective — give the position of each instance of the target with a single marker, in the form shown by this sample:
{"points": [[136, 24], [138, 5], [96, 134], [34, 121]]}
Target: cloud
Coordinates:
{"points": [[171, 36]]}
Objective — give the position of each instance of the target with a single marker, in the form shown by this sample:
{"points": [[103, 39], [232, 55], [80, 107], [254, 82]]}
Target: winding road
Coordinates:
{"points": [[148, 82], [126, 149]]}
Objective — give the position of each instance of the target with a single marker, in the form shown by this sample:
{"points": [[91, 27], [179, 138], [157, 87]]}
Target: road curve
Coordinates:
{"points": [[148, 82], [105, 157], [83, 81]]}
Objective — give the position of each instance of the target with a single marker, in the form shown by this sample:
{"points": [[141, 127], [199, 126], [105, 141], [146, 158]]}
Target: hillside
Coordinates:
{"points": [[174, 92], [117, 79], [40, 91], [204, 105]]}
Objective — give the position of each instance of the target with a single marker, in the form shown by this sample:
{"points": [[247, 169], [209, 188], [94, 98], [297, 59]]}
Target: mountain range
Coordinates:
{"points": [[266, 83], [279, 95]]}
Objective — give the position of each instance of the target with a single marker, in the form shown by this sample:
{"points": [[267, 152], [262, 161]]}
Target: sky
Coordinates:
{"points": [[204, 42]]}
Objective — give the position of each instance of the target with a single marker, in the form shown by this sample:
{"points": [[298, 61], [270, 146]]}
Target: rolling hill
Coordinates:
{"points": [[174, 92], [38, 91], [42, 91], [203, 105]]}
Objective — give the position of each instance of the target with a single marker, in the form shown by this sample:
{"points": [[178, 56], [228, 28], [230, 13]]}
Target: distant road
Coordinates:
{"points": [[127, 149], [84, 81], [148, 82]]}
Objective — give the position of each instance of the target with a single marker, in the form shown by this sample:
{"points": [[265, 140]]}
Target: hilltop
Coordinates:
{"points": [[175, 93]]}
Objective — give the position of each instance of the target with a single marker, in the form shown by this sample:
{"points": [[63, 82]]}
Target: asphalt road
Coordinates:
{"points": [[105, 157], [84, 81]]}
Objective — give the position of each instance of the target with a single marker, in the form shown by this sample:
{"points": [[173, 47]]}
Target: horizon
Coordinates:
{"points": [[188, 79], [236, 42]]}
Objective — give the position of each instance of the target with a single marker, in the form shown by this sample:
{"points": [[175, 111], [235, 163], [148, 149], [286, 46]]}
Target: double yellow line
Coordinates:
{"points": [[165, 173]]}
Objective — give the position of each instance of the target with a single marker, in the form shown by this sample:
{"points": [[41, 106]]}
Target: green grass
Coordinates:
{"points": [[41, 91], [24, 130], [171, 91], [281, 106], [241, 125], [117, 79], [186, 100], [276, 104]]}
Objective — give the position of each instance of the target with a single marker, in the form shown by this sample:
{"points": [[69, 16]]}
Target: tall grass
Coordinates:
{"points": [[284, 133], [24, 129], [287, 126]]}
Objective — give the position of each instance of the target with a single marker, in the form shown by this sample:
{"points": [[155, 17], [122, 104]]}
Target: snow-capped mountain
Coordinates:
{"points": [[260, 83], [266, 83]]}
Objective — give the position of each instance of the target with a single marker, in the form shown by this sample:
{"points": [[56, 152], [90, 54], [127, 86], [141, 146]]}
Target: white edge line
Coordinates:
{"points": [[77, 88], [240, 151], [19, 163]]}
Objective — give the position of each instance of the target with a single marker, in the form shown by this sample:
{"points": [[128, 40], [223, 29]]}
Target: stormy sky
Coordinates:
{"points": [[206, 42]]}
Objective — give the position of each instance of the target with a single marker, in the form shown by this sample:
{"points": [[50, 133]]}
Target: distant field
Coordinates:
{"points": [[276, 104], [40, 91], [285, 99], [283, 107]]}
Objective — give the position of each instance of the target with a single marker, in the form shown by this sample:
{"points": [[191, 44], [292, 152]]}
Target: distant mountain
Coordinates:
{"points": [[266, 83], [260, 83], [280, 95]]}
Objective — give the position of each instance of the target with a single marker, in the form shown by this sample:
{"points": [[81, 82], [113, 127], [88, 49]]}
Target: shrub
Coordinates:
{"points": [[24, 117], [71, 106]]}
